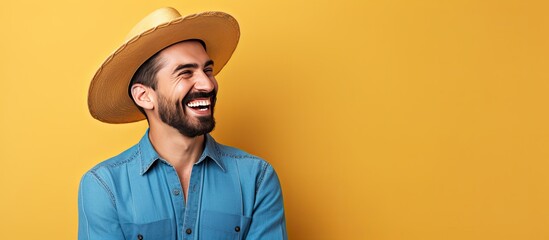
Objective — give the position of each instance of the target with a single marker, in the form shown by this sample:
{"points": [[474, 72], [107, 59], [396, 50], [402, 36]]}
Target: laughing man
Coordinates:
{"points": [[177, 182]]}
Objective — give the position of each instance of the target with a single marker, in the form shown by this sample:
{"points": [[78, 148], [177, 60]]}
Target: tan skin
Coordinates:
{"points": [[179, 150]]}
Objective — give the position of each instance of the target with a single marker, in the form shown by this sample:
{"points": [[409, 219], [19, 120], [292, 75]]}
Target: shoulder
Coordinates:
{"points": [[108, 170], [233, 155], [124, 158], [247, 165]]}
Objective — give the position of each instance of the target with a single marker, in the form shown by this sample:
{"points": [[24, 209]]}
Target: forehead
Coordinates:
{"points": [[184, 52]]}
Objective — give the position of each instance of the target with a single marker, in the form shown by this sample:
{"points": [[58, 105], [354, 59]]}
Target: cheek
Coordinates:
{"points": [[181, 90]]}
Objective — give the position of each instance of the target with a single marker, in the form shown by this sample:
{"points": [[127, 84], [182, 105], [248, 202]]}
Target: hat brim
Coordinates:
{"points": [[108, 99]]}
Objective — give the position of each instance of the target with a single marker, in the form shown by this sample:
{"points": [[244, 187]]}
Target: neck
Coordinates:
{"points": [[179, 150]]}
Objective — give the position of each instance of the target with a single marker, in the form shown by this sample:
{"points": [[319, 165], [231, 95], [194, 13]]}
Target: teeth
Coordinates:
{"points": [[199, 103]]}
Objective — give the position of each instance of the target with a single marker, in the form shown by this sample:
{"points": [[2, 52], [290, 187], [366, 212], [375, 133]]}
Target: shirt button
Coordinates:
{"points": [[189, 231], [237, 229], [139, 236], [176, 192]]}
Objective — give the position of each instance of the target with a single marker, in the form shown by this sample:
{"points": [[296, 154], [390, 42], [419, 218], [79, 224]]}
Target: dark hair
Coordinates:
{"points": [[146, 73]]}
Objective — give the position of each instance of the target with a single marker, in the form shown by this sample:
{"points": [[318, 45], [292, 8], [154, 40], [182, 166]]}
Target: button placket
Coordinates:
{"points": [[191, 209], [176, 192]]}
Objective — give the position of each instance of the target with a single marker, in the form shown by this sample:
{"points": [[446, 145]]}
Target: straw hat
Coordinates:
{"points": [[108, 99]]}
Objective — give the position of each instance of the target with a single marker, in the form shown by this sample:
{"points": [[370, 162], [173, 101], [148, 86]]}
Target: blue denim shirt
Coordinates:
{"points": [[138, 195]]}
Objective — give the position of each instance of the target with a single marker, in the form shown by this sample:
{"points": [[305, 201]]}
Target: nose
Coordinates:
{"points": [[205, 83]]}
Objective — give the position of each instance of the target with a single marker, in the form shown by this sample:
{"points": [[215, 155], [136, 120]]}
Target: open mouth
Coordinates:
{"points": [[201, 105]]}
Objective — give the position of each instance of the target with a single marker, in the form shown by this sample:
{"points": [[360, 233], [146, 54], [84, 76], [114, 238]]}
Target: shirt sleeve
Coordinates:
{"points": [[268, 221], [97, 215]]}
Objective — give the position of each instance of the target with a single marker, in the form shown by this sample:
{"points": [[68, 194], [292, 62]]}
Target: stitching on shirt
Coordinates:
{"points": [[142, 168], [239, 156], [106, 187], [224, 154], [129, 159], [84, 212], [261, 176]]}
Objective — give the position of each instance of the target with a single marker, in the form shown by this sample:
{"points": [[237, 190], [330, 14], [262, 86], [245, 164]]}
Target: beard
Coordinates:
{"points": [[173, 114]]}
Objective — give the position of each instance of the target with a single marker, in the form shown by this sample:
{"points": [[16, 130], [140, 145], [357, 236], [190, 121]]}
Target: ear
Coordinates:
{"points": [[143, 96]]}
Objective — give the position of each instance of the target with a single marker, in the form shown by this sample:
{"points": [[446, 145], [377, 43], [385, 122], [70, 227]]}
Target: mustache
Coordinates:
{"points": [[194, 95]]}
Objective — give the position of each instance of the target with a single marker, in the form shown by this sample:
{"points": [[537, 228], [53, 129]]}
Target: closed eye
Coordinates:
{"points": [[186, 73]]}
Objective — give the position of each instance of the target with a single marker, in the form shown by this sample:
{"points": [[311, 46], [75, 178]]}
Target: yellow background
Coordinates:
{"points": [[385, 120]]}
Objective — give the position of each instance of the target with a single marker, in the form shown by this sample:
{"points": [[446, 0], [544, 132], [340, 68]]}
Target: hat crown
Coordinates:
{"points": [[154, 19]]}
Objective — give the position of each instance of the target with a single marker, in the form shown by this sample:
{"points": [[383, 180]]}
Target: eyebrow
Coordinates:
{"points": [[191, 65]]}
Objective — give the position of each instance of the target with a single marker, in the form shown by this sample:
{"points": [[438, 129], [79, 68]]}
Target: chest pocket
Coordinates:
{"points": [[218, 226], [159, 230]]}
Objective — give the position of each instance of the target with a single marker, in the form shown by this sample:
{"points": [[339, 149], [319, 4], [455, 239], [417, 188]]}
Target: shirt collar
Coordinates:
{"points": [[211, 151], [149, 155]]}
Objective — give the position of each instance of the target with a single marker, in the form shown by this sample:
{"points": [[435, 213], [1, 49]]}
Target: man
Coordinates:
{"points": [[177, 182]]}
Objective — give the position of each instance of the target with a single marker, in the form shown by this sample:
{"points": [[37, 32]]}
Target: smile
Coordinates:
{"points": [[199, 104]]}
